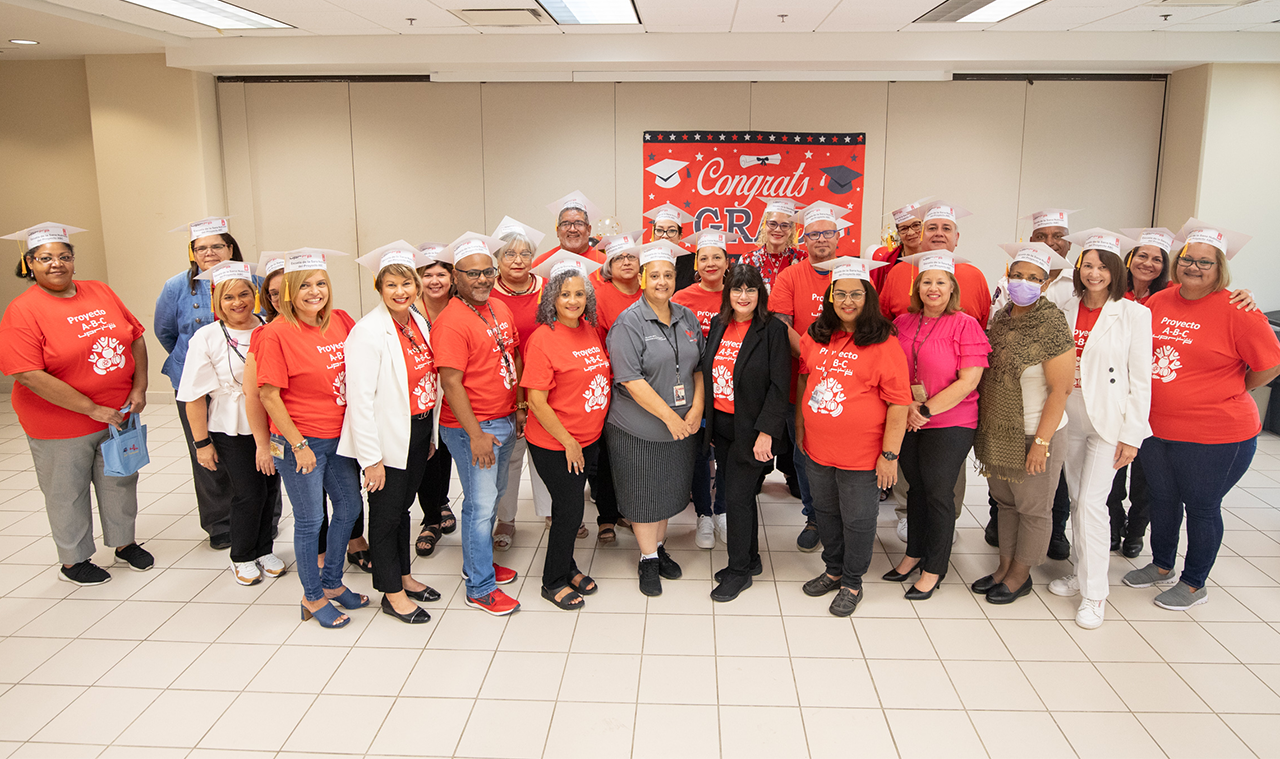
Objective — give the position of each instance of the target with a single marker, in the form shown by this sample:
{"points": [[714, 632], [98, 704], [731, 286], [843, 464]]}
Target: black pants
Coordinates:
{"points": [[845, 506], [1061, 507], [433, 493], [931, 460], [253, 496], [389, 511], [213, 488], [606, 496], [566, 509], [1135, 525], [736, 458]]}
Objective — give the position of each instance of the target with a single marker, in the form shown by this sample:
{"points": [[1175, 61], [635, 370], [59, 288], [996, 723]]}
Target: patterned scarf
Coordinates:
{"points": [[1000, 444]]}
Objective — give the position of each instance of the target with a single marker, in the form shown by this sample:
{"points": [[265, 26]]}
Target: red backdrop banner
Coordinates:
{"points": [[721, 178]]}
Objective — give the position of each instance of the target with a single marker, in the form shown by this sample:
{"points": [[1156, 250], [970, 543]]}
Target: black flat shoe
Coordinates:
{"points": [[915, 594], [730, 587], [571, 601], [1059, 548], [983, 584], [418, 616], [361, 559], [755, 570], [427, 594], [1001, 594], [1115, 543], [893, 575], [992, 534], [1132, 547]]}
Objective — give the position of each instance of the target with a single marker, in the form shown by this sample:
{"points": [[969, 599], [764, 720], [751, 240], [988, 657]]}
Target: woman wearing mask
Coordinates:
{"points": [[1204, 426], [392, 390], [655, 347], [1021, 403], [433, 494]]}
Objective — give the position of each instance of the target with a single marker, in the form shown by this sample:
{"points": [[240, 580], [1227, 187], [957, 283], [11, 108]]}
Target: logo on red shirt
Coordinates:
{"points": [[107, 355]]}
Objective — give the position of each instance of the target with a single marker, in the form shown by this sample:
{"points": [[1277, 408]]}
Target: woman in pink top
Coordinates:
{"points": [[946, 352]]}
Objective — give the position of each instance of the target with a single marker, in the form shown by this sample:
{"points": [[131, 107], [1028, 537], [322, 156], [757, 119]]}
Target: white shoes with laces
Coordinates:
{"points": [[271, 565], [706, 535], [902, 529], [1065, 586], [1090, 614], [722, 527]]}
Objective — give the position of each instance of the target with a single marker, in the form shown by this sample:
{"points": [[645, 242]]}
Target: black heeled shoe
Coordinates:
{"points": [[427, 594], [915, 594], [893, 575], [418, 616]]}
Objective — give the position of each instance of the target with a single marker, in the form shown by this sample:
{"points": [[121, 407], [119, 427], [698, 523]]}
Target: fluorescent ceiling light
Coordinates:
{"points": [[997, 10], [591, 11], [214, 13], [24, 42]]}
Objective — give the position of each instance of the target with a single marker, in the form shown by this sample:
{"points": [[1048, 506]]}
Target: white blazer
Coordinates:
{"points": [[1115, 370], [376, 425]]}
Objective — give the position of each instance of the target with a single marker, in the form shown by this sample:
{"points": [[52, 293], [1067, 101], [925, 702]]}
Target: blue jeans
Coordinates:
{"points": [[703, 505], [481, 491], [1194, 476], [802, 464], [338, 476]]}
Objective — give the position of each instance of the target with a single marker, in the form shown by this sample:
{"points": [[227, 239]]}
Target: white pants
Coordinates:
{"points": [[510, 500], [1089, 469]]}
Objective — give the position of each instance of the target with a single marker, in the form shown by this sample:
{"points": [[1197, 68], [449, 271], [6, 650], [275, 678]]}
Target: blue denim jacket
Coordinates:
{"points": [[178, 315]]}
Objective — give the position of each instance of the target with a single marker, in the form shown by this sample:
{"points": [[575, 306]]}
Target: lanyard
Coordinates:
{"points": [[234, 345], [406, 329], [675, 347], [496, 334], [916, 346]]}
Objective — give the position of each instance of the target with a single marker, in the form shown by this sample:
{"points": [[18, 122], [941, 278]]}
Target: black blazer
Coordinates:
{"points": [[761, 381]]}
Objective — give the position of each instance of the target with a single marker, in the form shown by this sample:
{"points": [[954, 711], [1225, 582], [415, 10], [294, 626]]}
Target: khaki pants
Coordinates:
{"points": [[1026, 508], [64, 470]]}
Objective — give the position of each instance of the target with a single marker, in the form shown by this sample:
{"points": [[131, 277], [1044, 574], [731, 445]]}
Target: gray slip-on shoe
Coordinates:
{"points": [[1180, 597], [1148, 576]]}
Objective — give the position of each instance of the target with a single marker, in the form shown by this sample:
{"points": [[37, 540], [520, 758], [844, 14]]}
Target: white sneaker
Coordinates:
{"points": [[1066, 587], [706, 537], [902, 529], [955, 535], [722, 527], [246, 572], [271, 565], [1089, 615]]}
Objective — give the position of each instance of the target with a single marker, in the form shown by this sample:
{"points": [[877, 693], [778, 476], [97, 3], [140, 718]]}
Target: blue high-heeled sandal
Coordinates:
{"points": [[350, 600], [326, 615]]}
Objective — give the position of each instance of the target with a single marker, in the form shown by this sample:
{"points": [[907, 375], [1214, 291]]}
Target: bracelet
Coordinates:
{"points": [[1045, 443], [522, 406], [299, 446], [202, 443]]}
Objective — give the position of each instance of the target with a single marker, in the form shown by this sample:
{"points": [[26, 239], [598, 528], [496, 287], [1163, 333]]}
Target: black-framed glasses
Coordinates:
{"points": [[784, 226], [475, 274], [574, 224], [1203, 264], [738, 292], [217, 247], [825, 234], [65, 258], [914, 226], [1033, 279], [671, 233]]}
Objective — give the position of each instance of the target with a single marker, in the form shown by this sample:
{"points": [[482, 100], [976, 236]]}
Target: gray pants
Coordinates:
{"points": [[64, 469]]}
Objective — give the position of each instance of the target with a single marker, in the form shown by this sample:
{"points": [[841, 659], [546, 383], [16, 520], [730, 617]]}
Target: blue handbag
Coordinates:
{"points": [[125, 452]]}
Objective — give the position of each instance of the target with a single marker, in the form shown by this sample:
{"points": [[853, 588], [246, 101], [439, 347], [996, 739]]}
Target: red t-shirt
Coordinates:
{"points": [[722, 365], [592, 253], [462, 340], [889, 256], [847, 398], [1141, 301], [85, 340], [895, 295], [523, 307], [798, 293], [610, 301], [421, 367], [1085, 319], [1201, 351], [703, 303], [309, 368], [573, 367]]}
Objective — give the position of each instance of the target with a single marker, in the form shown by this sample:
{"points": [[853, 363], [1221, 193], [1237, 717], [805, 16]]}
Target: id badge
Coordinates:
{"points": [[678, 393], [277, 452], [918, 394]]}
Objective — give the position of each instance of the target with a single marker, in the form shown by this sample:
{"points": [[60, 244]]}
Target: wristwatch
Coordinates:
{"points": [[202, 443], [522, 406], [299, 446], [889, 455], [925, 412]]}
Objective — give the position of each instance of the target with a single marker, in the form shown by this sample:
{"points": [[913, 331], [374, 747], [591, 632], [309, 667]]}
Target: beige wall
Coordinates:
{"points": [[1188, 99]]}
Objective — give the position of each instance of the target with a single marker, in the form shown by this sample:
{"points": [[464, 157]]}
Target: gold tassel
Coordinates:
{"points": [[22, 263], [191, 253]]}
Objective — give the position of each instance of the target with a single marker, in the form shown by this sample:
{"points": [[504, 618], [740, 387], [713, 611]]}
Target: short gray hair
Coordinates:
{"points": [[586, 216], [551, 289], [512, 239]]}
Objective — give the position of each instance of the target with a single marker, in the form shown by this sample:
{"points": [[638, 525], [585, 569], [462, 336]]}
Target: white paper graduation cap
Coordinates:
{"points": [[820, 211], [42, 234], [616, 245], [209, 225], [269, 262], [1101, 239], [934, 260], [939, 209], [1226, 240], [575, 200], [1036, 253], [666, 172], [1158, 236], [669, 212], [509, 225], [469, 244], [661, 250], [787, 206], [225, 270], [848, 267], [711, 238], [1050, 217], [302, 259], [398, 252], [563, 260], [903, 215]]}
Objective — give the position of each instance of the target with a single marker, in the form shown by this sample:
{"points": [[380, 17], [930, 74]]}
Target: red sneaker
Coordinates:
{"points": [[497, 603], [504, 576]]}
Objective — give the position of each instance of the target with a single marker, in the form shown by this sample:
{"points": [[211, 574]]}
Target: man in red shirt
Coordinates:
{"points": [[940, 231], [475, 343], [573, 227]]}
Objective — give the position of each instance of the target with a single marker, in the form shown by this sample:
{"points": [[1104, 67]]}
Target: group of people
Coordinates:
{"points": [[625, 365]]}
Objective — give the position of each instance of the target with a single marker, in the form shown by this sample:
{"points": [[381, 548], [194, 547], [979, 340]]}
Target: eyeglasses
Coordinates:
{"points": [[826, 234], [511, 255], [474, 274], [65, 258], [216, 248], [1033, 279], [575, 224], [1203, 264], [840, 296], [912, 227], [738, 292], [625, 258], [784, 226], [672, 233]]}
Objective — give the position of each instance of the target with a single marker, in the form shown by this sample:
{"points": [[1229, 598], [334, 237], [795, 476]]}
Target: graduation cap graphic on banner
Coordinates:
{"points": [[841, 178], [667, 172]]}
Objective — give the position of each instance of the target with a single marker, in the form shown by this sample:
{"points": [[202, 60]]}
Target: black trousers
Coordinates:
{"points": [[1061, 507], [606, 496], [566, 509], [736, 458], [213, 488], [1135, 525], [389, 511], [433, 493], [931, 460], [253, 496]]}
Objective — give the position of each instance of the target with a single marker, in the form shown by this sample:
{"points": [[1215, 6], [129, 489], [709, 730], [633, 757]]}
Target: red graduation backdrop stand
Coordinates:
{"points": [[722, 178]]}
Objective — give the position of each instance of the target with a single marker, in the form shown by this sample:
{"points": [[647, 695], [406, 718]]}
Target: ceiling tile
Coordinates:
{"points": [[763, 15], [703, 16], [1148, 18], [393, 13], [875, 15], [1263, 12], [1062, 15]]}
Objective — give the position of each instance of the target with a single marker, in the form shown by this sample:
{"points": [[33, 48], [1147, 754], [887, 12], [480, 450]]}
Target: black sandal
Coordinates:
{"points": [[427, 539], [448, 521], [606, 536], [570, 602], [361, 559], [586, 586]]}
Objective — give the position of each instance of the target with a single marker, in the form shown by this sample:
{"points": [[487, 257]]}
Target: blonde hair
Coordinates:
{"points": [[292, 285], [1224, 275], [793, 237], [220, 289], [917, 305], [398, 270]]}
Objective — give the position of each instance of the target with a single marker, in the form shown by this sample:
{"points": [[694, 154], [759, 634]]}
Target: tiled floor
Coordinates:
{"points": [[182, 662]]}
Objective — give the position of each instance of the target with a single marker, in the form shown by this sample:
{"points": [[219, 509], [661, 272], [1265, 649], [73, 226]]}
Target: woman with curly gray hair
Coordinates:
{"points": [[566, 379]]}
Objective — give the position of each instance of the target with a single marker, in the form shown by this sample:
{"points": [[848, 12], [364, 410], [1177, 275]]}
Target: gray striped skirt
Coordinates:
{"points": [[653, 480]]}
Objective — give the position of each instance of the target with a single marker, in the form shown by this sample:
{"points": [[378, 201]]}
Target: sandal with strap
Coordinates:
{"points": [[569, 602], [326, 615], [503, 534], [606, 536], [586, 586], [448, 521], [583, 532], [427, 539], [349, 600], [361, 559]]}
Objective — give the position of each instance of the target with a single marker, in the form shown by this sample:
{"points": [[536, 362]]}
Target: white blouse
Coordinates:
{"points": [[212, 368]]}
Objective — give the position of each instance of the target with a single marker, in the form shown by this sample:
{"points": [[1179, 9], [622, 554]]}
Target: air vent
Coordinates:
{"points": [[504, 17]]}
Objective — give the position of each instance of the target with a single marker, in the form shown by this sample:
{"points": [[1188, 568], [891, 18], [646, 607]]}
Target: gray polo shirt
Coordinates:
{"points": [[642, 347]]}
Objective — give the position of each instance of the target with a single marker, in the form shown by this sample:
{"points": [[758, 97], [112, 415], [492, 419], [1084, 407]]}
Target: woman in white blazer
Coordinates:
{"points": [[392, 389], [1107, 414]]}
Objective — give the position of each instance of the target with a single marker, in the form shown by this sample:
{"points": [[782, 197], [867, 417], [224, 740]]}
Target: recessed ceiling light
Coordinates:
{"points": [[997, 10], [214, 13], [591, 11], [24, 42]]}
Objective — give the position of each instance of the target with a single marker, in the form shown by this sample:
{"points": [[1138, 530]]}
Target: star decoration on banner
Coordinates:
{"points": [[701, 137], [697, 156], [808, 154], [822, 139], [771, 137], [651, 198], [652, 157]]}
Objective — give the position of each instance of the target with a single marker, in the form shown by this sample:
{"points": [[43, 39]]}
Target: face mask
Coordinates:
{"points": [[1023, 293]]}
